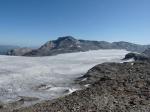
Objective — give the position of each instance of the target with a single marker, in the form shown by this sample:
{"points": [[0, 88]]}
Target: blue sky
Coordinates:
{"points": [[33, 22]]}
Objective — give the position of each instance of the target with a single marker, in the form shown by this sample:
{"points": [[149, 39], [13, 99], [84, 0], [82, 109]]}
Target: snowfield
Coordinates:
{"points": [[48, 77]]}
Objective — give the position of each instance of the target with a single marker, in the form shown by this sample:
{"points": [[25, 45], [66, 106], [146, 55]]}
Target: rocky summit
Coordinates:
{"points": [[111, 87]]}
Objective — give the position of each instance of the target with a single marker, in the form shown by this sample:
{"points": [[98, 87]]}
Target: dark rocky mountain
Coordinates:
{"points": [[19, 51], [5, 48], [114, 87], [69, 44], [61, 45]]}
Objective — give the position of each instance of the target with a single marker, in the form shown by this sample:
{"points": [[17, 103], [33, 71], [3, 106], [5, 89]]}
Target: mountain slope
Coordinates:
{"points": [[147, 52], [130, 46]]}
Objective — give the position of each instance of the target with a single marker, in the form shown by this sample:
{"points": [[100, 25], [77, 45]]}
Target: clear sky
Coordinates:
{"points": [[33, 22]]}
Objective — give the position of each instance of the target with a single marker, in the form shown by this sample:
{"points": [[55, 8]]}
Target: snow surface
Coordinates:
{"points": [[48, 77]]}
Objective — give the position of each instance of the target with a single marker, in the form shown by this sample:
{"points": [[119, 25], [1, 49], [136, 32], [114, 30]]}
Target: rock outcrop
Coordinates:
{"points": [[137, 57], [144, 56]]}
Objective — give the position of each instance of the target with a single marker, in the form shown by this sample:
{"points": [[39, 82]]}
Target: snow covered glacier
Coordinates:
{"points": [[48, 77]]}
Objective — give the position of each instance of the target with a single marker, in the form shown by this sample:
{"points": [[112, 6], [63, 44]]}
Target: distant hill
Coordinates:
{"points": [[69, 44], [5, 48], [19, 51], [130, 46]]}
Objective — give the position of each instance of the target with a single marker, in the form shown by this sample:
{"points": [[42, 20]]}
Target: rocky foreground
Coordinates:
{"points": [[112, 87]]}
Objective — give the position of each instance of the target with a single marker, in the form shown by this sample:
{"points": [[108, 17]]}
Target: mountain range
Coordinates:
{"points": [[70, 44], [5, 48]]}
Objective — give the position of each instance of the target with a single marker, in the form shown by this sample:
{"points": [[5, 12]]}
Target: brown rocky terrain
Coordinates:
{"points": [[114, 87]]}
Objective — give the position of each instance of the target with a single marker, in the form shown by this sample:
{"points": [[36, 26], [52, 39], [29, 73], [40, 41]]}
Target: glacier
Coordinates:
{"points": [[48, 77]]}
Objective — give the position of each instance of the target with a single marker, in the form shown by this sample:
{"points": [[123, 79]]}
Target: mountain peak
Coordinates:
{"points": [[66, 38]]}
